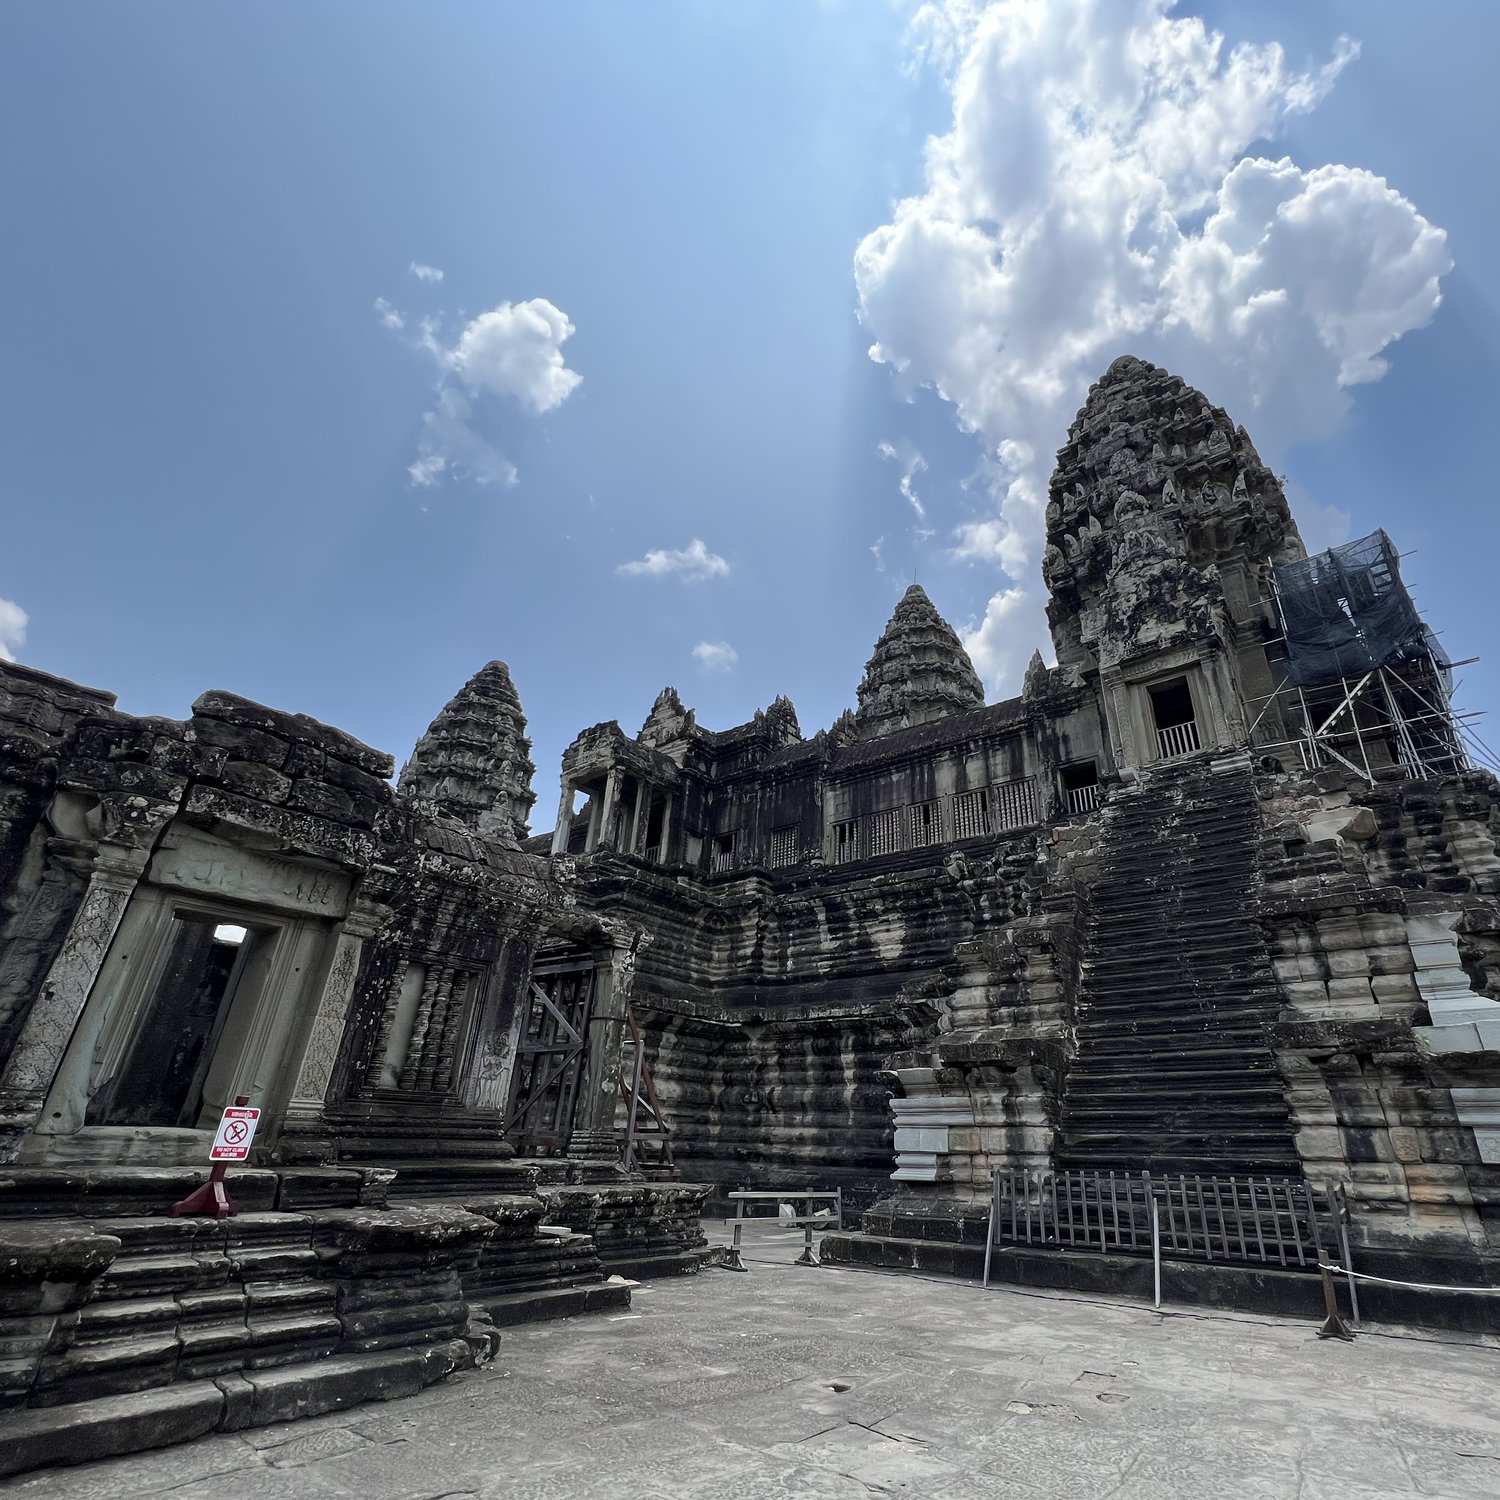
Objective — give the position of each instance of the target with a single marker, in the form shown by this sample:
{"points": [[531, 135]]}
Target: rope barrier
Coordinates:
{"points": [[1416, 1286]]}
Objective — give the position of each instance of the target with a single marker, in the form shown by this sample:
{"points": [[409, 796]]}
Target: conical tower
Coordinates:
{"points": [[1157, 499], [474, 761], [919, 672]]}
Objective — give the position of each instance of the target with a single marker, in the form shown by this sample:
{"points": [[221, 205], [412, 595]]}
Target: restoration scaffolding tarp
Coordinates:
{"points": [[1347, 612]]}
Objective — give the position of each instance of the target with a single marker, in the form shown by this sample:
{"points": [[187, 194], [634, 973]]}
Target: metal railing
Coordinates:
{"points": [[1082, 799], [804, 1199], [1177, 739], [1250, 1220]]}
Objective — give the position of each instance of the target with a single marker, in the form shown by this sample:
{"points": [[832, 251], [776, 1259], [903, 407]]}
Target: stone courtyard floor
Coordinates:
{"points": [[815, 1384]]}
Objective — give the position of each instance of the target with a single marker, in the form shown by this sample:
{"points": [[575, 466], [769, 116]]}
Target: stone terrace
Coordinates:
{"points": [[790, 1382]]}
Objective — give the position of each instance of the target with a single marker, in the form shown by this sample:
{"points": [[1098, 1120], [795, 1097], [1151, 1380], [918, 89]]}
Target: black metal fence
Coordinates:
{"points": [[1250, 1220]]}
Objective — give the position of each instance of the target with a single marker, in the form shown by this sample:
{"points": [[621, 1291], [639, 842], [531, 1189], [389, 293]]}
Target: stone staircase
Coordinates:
{"points": [[1173, 1070]]}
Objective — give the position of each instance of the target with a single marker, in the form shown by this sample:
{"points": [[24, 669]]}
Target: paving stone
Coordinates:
{"points": [[725, 1387]]}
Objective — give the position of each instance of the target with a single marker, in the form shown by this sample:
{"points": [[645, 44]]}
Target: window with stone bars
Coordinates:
{"points": [[784, 845], [925, 824], [845, 841], [971, 814], [886, 829], [419, 1031], [1015, 803]]}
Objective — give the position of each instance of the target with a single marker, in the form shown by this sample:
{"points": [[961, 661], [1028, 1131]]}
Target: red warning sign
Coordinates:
{"points": [[236, 1132]]}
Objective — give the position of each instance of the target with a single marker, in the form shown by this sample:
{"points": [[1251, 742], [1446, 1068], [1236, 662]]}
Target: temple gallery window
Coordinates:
{"points": [[1081, 786], [784, 845], [161, 1075], [845, 841], [1176, 725], [721, 852]]}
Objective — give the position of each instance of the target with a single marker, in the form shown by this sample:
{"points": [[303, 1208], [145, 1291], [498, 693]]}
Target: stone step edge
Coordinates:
{"points": [[107, 1426], [548, 1303]]}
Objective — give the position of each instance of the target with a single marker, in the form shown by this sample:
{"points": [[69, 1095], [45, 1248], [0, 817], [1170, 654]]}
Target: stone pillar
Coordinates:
{"points": [[666, 828], [603, 833], [49, 1025], [304, 1110], [641, 815], [593, 1135], [564, 830]]}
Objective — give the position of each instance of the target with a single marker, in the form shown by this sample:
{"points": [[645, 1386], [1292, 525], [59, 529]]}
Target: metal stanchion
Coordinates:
{"points": [[989, 1236], [1156, 1246], [734, 1263], [1334, 1327], [807, 1258]]}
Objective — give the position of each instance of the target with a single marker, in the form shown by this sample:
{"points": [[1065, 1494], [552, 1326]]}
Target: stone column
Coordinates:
{"points": [[54, 1015], [593, 1135], [641, 815], [564, 830], [304, 1110], [666, 827], [604, 830]]}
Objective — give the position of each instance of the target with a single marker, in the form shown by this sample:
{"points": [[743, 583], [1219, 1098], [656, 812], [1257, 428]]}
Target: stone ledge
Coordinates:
{"points": [[556, 1302], [111, 1425], [644, 1266]]}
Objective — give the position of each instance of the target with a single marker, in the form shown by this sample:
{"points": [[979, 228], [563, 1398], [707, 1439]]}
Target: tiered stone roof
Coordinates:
{"points": [[919, 672], [474, 762]]}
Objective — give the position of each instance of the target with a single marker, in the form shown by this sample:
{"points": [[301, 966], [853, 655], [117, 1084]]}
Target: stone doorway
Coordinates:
{"points": [[550, 1055], [162, 1073]]}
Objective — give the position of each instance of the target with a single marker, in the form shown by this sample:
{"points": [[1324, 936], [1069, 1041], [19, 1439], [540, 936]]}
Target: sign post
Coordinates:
{"points": [[232, 1142]]}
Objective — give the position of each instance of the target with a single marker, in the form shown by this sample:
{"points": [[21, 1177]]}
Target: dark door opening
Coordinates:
{"points": [[1081, 786], [1176, 726], [162, 1072], [550, 1057]]}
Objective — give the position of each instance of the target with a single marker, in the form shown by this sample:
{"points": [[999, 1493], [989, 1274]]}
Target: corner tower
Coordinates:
{"points": [[1162, 526], [919, 672], [474, 762]]}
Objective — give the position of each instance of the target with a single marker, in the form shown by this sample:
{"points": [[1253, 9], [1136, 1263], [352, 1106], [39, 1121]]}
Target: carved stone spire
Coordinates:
{"points": [[474, 761], [1155, 489], [919, 672]]}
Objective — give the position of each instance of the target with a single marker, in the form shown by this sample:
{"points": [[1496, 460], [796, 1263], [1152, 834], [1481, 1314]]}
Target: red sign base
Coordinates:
{"points": [[210, 1198]]}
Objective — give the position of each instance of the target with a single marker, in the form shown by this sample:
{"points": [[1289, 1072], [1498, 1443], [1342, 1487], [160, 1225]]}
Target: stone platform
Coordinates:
{"points": [[843, 1384], [123, 1328]]}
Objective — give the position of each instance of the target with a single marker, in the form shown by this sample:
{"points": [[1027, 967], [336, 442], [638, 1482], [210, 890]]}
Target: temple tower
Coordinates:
{"points": [[1162, 525], [474, 762], [919, 672]]}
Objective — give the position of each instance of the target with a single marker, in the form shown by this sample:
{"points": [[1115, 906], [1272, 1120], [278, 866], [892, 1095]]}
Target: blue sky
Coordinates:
{"points": [[210, 428]]}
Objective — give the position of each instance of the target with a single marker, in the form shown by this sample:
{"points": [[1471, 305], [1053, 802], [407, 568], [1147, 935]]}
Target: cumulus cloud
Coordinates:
{"points": [[693, 563], [515, 350], [911, 463], [512, 353], [13, 623], [424, 273], [715, 656], [1094, 197]]}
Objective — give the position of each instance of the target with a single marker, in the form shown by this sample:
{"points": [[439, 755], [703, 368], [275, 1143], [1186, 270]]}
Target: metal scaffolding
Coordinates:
{"points": [[1364, 683]]}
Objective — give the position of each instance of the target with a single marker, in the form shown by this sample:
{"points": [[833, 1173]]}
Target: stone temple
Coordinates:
{"points": [[1217, 895]]}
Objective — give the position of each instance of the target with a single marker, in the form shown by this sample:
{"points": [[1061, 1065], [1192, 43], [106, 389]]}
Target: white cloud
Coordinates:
{"points": [[877, 551], [450, 447], [694, 563], [1093, 198], [515, 350], [911, 463], [424, 273], [512, 352], [390, 317], [715, 656], [13, 623]]}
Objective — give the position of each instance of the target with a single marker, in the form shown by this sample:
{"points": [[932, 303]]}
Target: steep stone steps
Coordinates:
{"points": [[1172, 1069]]}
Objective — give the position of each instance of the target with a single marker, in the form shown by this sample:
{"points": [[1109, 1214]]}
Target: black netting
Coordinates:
{"points": [[1347, 612]]}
